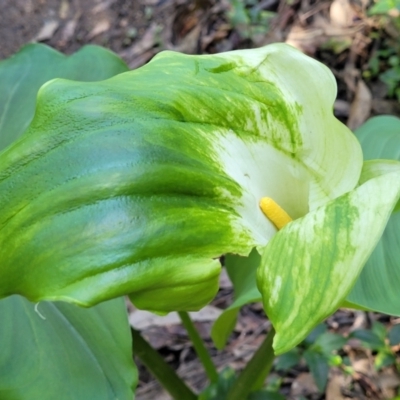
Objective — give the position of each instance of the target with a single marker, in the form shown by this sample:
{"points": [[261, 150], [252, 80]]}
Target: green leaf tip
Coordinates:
{"points": [[310, 266]]}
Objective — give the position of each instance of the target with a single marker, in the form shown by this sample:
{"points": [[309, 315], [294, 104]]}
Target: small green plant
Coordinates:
{"points": [[116, 182], [319, 351], [385, 64], [248, 19], [385, 61], [380, 341], [385, 7]]}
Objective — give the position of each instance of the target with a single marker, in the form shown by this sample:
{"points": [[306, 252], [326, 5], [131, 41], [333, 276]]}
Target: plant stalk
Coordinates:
{"points": [[253, 376], [160, 369], [199, 346]]}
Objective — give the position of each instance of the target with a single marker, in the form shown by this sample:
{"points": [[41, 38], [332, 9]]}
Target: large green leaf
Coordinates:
{"points": [[61, 351], [22, 75], [310, 266], [72, 353], [242, 272], [378, 285], [139, 183]]}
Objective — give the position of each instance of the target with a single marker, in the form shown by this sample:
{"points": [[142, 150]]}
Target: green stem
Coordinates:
{"points": [[253, 376], [160, 369], [199, 346]]}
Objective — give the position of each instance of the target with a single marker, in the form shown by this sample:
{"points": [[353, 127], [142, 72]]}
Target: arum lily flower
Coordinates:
{"points": [[137, 184]]}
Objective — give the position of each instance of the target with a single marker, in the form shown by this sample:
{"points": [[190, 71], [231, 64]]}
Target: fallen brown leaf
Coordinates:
{"points": [[342, 13], [336, 382], [47, 30], [101, 27], [360, 109], [388, 381], [303, 385]]}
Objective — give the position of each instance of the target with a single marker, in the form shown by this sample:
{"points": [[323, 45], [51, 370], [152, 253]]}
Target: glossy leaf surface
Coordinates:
{"points": [[62, 351], [378, 285], [124, 187]]}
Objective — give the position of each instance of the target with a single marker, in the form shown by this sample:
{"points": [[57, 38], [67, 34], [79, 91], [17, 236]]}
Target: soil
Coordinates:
{"points": [[339, 33]]}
